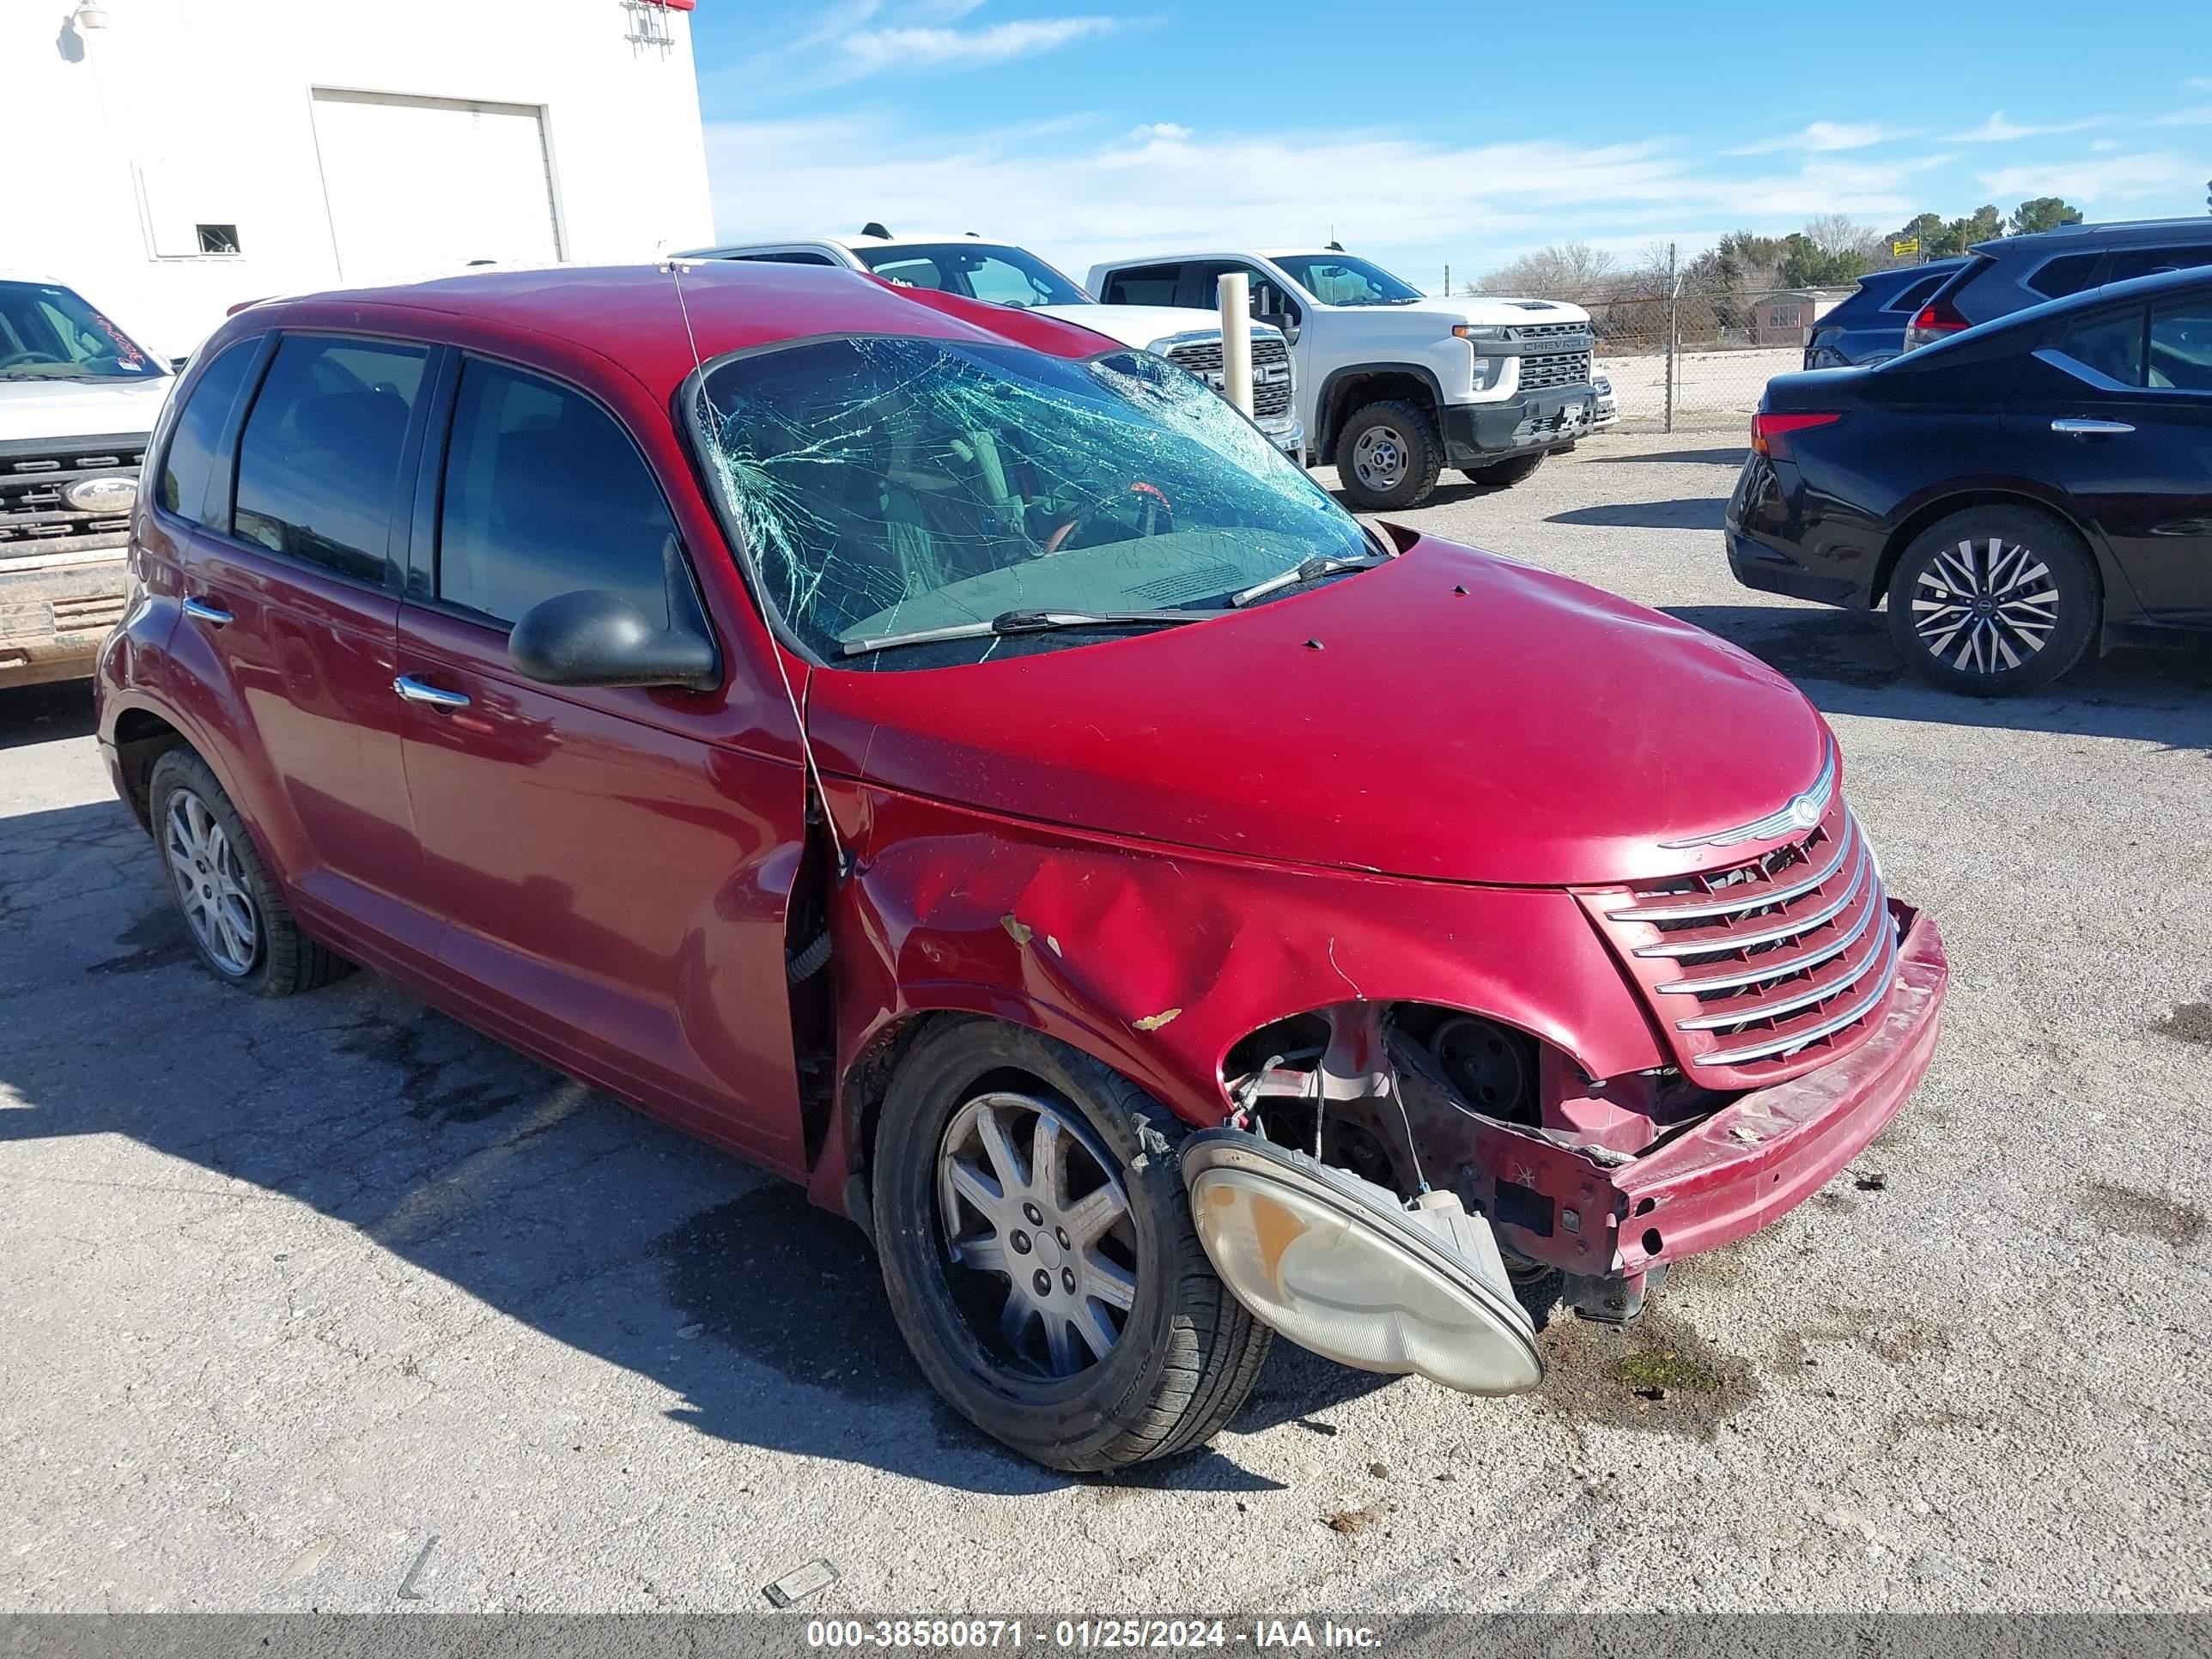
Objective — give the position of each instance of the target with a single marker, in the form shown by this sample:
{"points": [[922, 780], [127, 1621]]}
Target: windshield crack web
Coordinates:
{"points": [[888, 483]]}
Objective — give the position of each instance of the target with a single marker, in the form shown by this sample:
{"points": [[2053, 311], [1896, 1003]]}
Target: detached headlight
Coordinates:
{"points": [[1339, 1266]]}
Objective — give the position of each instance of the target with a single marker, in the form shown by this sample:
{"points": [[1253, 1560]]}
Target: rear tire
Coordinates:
{"points": [[1185, 1353], [1387, 455], [232, 910], [1995, 600], [1504, 475]]}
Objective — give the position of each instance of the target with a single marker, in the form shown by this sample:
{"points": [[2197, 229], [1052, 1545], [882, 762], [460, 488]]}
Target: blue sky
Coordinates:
{"points": [[1427, 133]]}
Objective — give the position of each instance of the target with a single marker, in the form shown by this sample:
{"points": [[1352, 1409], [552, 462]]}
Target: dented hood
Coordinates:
{"points": [[1527, 731]]}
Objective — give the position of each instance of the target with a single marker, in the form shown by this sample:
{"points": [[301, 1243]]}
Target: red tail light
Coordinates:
{"points": [[1770, 434], [1938, 317]]}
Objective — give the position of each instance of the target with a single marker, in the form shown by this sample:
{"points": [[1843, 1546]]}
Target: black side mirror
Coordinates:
{"points": [[1285, 321], [595, 637]]}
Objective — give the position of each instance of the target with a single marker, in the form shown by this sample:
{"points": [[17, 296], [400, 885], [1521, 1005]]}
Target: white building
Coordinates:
{"points": [[193, 154]]}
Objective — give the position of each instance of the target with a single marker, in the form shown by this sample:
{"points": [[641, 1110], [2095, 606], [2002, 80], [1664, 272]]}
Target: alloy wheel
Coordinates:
{"points": [[211, 885], [1379, 458], [1028, 1197], [1985, 606]]}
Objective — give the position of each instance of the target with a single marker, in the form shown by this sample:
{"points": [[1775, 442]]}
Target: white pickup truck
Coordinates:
{"points": [[77, 397], [1005, 274], [1393, 387]]}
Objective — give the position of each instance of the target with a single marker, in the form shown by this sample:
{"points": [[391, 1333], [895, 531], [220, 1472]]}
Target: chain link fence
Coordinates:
{"points": [[1686, 357]]}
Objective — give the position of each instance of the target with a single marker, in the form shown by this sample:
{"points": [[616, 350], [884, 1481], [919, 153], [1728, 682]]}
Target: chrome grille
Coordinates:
{"points": [[1555, 368], [1271, 398], [1762, 968], [35, 520]]}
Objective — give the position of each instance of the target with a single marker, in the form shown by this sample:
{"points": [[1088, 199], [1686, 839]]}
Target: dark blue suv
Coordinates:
{"points": [[2014, 272]]}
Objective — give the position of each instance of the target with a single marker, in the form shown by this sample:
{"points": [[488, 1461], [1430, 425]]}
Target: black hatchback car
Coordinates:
{"points": [[2019, 493]]}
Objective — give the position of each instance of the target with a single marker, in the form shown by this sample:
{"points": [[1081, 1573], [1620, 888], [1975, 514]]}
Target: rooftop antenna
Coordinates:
{"points": [[675, 270], [875, 227]]}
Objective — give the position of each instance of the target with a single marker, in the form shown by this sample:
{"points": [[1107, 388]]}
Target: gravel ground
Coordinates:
{"points": [[1715, 390], [296, 1287]]}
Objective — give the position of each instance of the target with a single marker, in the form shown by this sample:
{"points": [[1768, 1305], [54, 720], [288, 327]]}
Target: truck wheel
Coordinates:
{"points": [[1994, 600], [1387, 455], [1504, 475], [237, 919], [1038, 1250]]}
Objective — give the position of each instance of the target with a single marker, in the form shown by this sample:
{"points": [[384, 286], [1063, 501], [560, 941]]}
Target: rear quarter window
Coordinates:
{"points": [[2070, 273], [190, 459]]}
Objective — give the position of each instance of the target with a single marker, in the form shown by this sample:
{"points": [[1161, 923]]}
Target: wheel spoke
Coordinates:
{"points": [[978, 1188], [985, 1252], [1048, 1161], [1004, 1160], [1095, 1330], [1060, 1344], [1111, 1282], [1015, 1318], [1094, 1215]]}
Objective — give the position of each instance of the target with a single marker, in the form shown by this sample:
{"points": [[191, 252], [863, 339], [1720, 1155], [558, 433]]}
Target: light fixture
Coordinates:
{"points": [[90, 16], [1339, 1265]]}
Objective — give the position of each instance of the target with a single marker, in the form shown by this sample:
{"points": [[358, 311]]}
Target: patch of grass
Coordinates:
{"points": [[1661, 1368]]}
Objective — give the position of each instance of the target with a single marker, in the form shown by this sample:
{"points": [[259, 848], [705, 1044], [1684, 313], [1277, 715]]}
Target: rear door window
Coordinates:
{"points": [[2148, 261], [1144, 285], [190, 459], [1914, 295], [2181, 346], [318, 460], [2110, 344], [544, 494]]}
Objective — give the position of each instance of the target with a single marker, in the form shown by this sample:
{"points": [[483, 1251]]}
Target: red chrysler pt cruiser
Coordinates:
{"points": [[953, 760]]}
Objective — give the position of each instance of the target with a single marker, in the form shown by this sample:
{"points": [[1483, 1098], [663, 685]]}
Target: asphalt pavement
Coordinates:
{"points": [[331, 1304]]}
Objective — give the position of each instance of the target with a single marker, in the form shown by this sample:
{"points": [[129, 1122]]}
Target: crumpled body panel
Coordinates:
{"points": [[1157, 960]]}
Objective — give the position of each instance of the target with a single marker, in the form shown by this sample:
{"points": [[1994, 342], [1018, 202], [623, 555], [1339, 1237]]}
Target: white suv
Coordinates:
{"points": [[1392, 385], [1003, 274], [77, 397]]}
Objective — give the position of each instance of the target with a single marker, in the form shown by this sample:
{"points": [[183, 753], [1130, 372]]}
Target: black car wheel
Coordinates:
{"points": [[237, 919], [1388, 457], [1994, 600], [1038, 1250], [1503, 474]]}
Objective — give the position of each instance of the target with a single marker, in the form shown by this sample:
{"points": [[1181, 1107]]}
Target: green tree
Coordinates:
{"points": [[2044, 213], [1806, 264]]}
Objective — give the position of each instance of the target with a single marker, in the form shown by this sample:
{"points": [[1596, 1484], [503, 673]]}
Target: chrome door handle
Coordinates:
{"points": [[213, 615], [2092, 428], [415, 692]]}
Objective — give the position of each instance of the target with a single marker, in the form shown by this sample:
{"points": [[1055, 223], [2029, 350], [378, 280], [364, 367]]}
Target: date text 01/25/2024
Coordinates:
{"points": [[1087, 1634]]}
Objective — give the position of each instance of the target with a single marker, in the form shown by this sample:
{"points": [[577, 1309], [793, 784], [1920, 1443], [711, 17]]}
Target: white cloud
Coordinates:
{"points": [[1826, 135], [1418, 204], [1166, 132], [1998, 131], [2119, 177], [2199, 117], [869, 52]]}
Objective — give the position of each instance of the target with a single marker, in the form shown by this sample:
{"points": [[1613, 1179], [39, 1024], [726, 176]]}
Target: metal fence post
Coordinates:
{"points": [[1673, 331]]}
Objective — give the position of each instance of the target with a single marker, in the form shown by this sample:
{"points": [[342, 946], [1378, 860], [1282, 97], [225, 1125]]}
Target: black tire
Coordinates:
{"points": [[2038, 559], [1409, 432], [1187, 1354], [282, 960], [1504, 475]]}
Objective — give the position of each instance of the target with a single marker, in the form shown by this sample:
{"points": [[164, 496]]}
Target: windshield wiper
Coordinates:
{"points": [[1022, 621], [1309, 570]]}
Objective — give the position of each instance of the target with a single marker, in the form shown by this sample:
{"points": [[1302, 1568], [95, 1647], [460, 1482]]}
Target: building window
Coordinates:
{"points": [[218, 239]]}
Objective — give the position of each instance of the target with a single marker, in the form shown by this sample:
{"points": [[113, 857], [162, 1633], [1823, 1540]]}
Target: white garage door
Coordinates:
{"points": [[422, 186]]}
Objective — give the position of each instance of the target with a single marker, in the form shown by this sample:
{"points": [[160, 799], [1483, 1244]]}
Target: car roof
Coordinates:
{"points": [[2118, 232], [635, 318]]}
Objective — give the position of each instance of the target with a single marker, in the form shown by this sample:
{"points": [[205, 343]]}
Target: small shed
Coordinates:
{"points": [[1786, 318]]}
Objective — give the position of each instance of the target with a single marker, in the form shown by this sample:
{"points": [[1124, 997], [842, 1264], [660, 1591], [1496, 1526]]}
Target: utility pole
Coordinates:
{"points": [[1447, 279], [1674, 329]]}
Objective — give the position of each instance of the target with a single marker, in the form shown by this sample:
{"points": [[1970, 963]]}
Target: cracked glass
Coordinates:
{"points": [[883, 485]]}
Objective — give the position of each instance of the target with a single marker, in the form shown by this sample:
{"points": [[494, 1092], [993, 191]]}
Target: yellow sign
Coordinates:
{"points": [[1901, 246]]}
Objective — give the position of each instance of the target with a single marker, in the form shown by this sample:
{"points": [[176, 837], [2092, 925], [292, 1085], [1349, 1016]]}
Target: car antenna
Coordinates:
{"points": [[875, 227], [675, 270]]}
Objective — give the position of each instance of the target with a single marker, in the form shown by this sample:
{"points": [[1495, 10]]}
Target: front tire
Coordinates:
{"points": [[1994, 600], [1504, 475], [1387, 455], [236, 917], [1039, 1254]]}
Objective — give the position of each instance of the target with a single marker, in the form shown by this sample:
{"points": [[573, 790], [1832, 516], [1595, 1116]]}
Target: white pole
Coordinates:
{"points": [[1237, 339]]}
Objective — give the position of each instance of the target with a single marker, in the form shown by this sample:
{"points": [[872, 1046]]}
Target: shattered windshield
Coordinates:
{"points": [[47, 332], [883, 486]]}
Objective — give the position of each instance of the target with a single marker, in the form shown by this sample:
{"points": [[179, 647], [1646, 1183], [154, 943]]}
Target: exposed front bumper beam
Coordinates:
{"points": [[1733, 1173]]}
